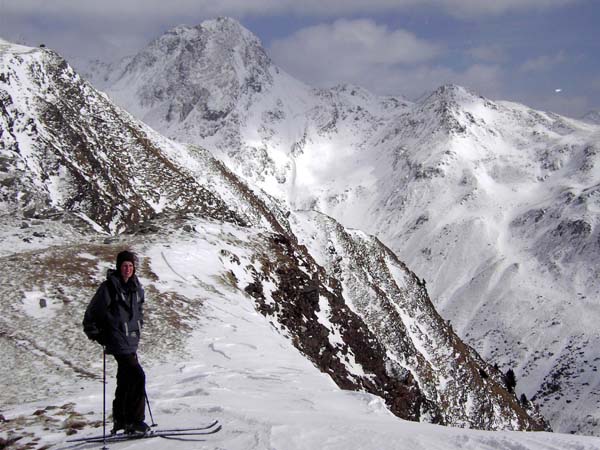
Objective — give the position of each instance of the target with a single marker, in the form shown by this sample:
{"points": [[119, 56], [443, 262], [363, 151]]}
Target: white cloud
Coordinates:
{"points": [[544, 62], [78, 27], [489, 53], [477, 8], [388, 62], [382, 59], [348, 50], [487, 79]]}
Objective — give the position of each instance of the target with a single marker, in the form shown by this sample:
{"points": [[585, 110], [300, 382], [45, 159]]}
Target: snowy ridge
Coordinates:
{"points": [[307, 307], [66, 147], [494, 204]]}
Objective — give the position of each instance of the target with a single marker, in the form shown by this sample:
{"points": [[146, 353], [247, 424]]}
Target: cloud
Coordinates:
{"points": [[385, 61], [348, 49], [570, 106], [155, 9], [415, 81], [77, 27], [469, 9], [489, 53], [487, 80], [544, 62]]}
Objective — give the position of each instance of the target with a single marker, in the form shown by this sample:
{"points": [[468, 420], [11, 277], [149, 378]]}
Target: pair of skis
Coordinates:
{"points": [[172, 433]]}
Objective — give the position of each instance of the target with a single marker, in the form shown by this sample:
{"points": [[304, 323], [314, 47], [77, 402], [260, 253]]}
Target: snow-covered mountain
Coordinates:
{"points": [[82, 179], [494, 204]]}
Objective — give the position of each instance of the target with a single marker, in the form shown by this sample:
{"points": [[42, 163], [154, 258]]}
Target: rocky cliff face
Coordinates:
{"points": [[358, 314], [394, 303]]}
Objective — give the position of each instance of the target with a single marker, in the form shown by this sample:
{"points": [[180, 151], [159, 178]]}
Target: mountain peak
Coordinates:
{"points": [[90, 173], [224, 29], [453, 93], [223, 34], [447, 107], [227, 25], [194, 72]]}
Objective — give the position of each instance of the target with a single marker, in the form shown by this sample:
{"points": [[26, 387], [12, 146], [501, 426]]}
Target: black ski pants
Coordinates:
{"points": [[130, 396]]}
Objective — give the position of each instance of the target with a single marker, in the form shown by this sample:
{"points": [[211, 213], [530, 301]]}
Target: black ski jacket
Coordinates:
{"points": [[114, 316]]}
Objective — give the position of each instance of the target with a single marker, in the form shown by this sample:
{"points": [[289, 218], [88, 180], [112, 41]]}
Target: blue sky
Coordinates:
{"points": [[543, 53]]}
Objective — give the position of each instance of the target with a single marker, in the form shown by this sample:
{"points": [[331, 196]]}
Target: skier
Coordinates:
{"points": [[114, 319]]}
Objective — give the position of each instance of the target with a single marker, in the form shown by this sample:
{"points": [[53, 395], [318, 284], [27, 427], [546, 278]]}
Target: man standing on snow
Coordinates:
{"points": [[114, 319]]}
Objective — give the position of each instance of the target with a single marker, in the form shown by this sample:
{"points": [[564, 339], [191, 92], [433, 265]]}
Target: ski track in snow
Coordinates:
{"points": [[171, 267]]}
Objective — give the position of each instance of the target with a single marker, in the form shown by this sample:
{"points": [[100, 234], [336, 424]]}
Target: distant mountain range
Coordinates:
{"points": [[493, 204]]}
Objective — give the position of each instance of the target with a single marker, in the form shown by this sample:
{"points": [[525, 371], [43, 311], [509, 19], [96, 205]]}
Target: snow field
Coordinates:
{"points": [[268, 396], [236, 367]]}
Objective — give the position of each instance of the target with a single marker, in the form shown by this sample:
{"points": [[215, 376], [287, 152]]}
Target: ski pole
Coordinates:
{"points": [[154, 424], [149, 409], [104, 447]]}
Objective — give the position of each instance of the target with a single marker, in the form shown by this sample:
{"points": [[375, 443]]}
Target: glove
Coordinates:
{"points": [[100, 339], [97, 336]]}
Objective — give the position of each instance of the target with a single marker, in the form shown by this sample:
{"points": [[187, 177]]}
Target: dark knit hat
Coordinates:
{"points": [[123, 256]]}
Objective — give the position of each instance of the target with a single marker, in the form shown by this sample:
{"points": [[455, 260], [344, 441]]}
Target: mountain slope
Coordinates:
{"points": [[396, 306], [65, 146], [83, 157], [207, 354], [504, 226], [491, 202]]}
